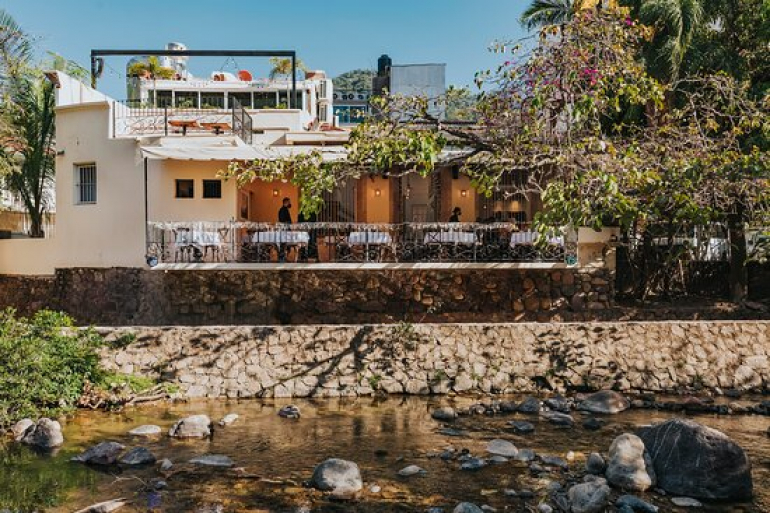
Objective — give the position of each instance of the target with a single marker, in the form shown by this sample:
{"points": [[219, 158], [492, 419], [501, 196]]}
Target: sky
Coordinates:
{"points": [[332, 35]]}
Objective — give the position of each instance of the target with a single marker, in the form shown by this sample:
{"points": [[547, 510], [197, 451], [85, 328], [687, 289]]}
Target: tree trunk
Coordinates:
{"points": [[738, 278]]}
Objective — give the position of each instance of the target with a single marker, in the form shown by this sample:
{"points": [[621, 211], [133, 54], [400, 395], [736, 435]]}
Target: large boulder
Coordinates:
{"points": [[105, 453], [629, 466], [341, 477], [696, 461], [45, 434], [591, 497], [605, 402], [195, 426], [20, 429]]}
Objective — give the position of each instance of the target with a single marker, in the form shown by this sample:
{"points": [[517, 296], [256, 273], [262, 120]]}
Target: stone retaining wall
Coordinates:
{"points": [[332, 361]]}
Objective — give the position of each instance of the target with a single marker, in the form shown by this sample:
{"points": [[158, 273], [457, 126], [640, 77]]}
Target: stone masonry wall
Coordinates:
{"points": [[121, 296], [332, 361]]}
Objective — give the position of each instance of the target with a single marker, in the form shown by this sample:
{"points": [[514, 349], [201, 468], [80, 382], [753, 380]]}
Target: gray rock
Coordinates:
{"points": [[228, 419], [289, 412], [411, 470], [592, 424], [375, 489], [558, 419], [502, 448], [104, 507], [452, 432], [467, 507], [444, 414], [105, 453], [45, 434], [521, 427], [19, 429], [473, 464], [629, 466], [195, 426], [635, 504], [544, 508], [147, 430], [137, 456], [686, 502], [589, 497], [435, 510], [525, 455], [558, 403], [696, 461], [606, 402], [554, 461], [497, 459], [529, 405], [340, 477], [166, 465], [508, 406], [595, 464], [213, 460]]}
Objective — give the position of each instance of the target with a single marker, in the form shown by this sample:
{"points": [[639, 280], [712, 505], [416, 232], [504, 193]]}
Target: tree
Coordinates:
{"points": [[15, 47], [281, 67], [542, 13], [355, 80]]}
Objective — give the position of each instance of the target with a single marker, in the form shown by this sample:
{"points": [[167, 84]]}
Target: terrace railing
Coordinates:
{"points": [[130, 118], [246, 242]]}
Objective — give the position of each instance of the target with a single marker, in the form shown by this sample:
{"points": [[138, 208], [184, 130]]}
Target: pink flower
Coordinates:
{"points": [[629, 21]]}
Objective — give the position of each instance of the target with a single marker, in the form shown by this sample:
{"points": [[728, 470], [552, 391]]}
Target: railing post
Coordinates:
{"points": [[165, 120]]}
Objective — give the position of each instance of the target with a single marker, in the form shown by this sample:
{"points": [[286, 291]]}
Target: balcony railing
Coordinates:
{"points": [[245, 242], [132, 119]]}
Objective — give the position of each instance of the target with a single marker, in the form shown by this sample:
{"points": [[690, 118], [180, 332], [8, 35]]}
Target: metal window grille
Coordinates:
{"points": [[85, 184], [212, 189]]}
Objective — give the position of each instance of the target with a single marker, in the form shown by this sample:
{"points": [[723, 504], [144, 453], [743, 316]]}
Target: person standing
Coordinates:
{"points": [[284, 213], [456, 213]]}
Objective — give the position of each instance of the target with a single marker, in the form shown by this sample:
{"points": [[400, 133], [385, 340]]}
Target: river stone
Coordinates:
{"points": [[467, 507], [635, 504], [554, 461], [497, 459], [213, 460], [338, 476], [595, 464], [45, 434], [589, 497], [696, 461], [592, 424], [473, 464], [522, 427], [19, 429], [138, 456], [104, 507], [289, 412], [148, 430], [166, 465], [558, 403], [228, 419], [558, 419], [104, 453], [529, 405], [411, 470], [444, 414], [508, 406], [686, 502], [630, 466], [502, 448], [525, 455], [195, 426], [605, 402]]}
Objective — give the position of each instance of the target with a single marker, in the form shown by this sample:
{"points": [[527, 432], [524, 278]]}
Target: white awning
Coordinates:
{"points": [[201, 148]]}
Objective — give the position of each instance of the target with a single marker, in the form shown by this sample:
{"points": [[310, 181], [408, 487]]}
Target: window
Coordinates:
{"points": [[243, 98], [85, 184], [185, 189], [163, 99], [212, 189], [264, 100], [186, 100]]}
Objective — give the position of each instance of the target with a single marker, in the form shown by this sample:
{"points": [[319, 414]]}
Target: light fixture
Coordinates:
{"points": [[377, 192], [276, 192], [464, 193]]}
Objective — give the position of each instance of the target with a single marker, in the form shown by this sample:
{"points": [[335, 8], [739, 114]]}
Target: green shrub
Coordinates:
{"points": [[44, 364]]}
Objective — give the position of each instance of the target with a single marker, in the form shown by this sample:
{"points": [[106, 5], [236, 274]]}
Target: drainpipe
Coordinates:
{"points": [[146, 211]]}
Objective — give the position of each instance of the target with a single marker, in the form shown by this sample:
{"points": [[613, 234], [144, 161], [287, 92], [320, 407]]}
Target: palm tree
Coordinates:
{"points": [[282, 67], [542, 13], [15, 47], [27, 155], [152, 68], [676, 23]]}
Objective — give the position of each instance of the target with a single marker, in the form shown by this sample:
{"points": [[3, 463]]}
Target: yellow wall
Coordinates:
{"points": [[265, 206], [165, 206], [451, 197], [28, 256], [374, 208]]}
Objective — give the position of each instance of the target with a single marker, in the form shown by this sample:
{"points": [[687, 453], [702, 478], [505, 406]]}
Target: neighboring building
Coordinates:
{"points": [[428, 80], [351, 107]]}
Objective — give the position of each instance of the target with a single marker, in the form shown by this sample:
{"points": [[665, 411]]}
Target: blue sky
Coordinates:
{"points": [[334, 35]]}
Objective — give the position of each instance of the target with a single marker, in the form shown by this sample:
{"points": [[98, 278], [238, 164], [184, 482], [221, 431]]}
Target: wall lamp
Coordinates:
{"points": [[377, 192], [464, 193], [276, 193]]}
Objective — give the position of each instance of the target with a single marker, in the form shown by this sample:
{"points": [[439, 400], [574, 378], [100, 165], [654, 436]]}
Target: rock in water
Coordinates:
{"points": [[166, 465], [20, 429], [411, 470], [444, 414], [105, 453], [213, 460], [104, 507], [635, 504], [630, 467], [340, 477], [529, 405], [138, 456], [686, 502], [148, 430], [558, 403], [502, 448], [289, 412], [558, 419], [589, 497], [521, 427], [696, 461], [45, 434], [606, 402], [467, 507], [595, 464], [228, 419], [195, 426]]}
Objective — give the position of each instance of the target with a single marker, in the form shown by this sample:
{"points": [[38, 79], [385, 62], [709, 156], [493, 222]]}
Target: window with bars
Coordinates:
{"points": [[212, 189], [185, 189], [85, 184]]}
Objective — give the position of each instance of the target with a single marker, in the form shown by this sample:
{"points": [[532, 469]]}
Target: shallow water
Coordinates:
{"points": [[278, 455]]}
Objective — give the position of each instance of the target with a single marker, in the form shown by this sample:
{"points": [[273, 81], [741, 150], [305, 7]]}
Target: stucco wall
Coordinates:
{"points": [[28, 256], [332, 361]]}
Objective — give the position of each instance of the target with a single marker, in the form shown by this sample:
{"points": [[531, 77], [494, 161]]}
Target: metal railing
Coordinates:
{"points": [[131, 118], [246, 242], [242, 122]]}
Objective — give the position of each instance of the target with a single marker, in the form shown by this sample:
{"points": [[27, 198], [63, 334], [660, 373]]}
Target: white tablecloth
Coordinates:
{"points": [[371, 238], [450, 238], [281, 237], [529, 238], [199, 237]]}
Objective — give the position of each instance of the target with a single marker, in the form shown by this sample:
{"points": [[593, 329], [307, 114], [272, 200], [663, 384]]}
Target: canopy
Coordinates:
{"points": [[201, 148]]}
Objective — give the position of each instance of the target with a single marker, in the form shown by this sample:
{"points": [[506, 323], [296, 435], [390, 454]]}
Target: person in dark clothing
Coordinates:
{"points": [[456, 213], [284, 215]]}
